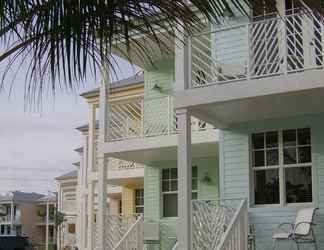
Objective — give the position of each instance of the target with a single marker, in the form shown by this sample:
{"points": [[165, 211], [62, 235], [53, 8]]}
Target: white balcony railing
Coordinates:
{"points": [[7, 219], [220, 224], [139, 118], [118, 164], [272, 46]]}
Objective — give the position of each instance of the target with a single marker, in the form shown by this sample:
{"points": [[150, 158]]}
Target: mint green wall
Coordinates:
{"points": [[235, 179], [152, 194], [156, 104]]}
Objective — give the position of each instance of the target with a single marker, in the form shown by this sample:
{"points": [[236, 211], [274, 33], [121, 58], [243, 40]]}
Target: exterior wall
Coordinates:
{"points": [[153, 197], [128, 201], [235, 173], [29, 218]]}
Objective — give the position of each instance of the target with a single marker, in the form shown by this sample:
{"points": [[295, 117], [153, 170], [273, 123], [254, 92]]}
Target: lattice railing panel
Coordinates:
{"points": [[159, 116], [272, 46], [210, 220], [219, 56], [125, 119], [117, 226], [134, 237]]}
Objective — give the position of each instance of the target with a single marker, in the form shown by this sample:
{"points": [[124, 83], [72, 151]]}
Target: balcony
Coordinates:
{"points": [[145, 130], [266, 69], [7, 219], [269, 47], [140, 118]]}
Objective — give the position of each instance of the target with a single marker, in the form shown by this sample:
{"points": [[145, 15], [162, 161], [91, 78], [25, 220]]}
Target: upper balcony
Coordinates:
{"points": [[140, 127], [234, 67]]}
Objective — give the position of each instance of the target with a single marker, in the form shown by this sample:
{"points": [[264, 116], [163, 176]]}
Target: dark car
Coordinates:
{"points": [[13, 242]]}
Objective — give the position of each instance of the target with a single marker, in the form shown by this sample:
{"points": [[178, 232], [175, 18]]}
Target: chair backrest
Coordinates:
{"points": [[304, 215]]}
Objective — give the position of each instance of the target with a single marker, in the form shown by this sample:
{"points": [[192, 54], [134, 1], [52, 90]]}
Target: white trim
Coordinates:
{"points": [[281, 168]]}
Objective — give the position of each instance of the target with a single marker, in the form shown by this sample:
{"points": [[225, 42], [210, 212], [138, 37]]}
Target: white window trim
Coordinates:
{"points": [[282, 187], [163, 193]]}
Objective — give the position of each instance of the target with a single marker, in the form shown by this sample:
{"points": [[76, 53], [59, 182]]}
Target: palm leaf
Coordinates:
{"points": [[63, 41]]}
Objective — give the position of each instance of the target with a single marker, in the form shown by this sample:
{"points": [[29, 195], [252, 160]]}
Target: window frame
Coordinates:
{"points": [[281, 168], [136, 196], [163, 193]]}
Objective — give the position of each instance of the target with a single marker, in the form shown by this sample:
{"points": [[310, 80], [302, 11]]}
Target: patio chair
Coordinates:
{"points": [[301, 232]]}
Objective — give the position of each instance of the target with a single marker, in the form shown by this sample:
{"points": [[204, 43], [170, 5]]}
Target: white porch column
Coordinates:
{"points": [[47, 222], [184, 179], [90, 214], [12, 210], [103, 162]]}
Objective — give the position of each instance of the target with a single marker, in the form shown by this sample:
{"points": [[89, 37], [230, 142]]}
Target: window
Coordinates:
{"points": [[71, 228], [139, 201], [170, 190], [281, 165]]}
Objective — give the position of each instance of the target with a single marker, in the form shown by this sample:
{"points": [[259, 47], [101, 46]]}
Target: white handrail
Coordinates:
{"points": [[140, 218], [227, 236]]}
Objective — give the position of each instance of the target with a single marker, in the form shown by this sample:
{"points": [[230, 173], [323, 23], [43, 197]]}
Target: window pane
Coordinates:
{"points": [[289, 137], [258, 158], [272, 139], [194, 184], [266, 186], [290, 156], [304, 154], [139, 210], [174, 185], [194, 171], [304, 137], [298, 184], [258, 141], [165, 186], [165, 173], [272, 157], [170, 205], [174, 173], [194, 196]]}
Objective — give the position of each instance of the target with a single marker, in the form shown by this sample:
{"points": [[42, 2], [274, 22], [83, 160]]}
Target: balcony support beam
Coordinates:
{"points": [[184, 183]]}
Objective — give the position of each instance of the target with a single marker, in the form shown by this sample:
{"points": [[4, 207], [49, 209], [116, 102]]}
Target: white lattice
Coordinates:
{"points": [[210, 221], [133, 238], [263, 48]]}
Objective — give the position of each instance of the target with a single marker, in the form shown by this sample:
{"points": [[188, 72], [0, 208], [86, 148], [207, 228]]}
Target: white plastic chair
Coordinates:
{"points": [[301, 232]]}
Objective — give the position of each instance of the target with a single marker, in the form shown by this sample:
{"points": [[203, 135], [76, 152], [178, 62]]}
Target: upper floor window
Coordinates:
{"points": [[139, 201], [282, 166], [170, 190]]}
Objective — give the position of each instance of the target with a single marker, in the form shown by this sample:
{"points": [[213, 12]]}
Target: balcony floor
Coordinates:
{"points": [[230, 104], [159, 148]]}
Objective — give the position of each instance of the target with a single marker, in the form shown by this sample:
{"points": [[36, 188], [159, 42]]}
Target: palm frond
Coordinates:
{"points": [[63, 41]]}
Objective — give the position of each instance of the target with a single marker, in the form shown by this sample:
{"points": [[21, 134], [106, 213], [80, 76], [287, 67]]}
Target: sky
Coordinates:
{"points": [[37, 146]]}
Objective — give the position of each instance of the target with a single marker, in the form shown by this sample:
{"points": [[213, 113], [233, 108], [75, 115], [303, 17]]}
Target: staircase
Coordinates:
{"points": [[220, 225]]}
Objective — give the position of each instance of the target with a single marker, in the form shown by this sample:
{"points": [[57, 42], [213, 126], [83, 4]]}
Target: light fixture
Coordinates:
{"points": [[156, 87], [206, 179]]}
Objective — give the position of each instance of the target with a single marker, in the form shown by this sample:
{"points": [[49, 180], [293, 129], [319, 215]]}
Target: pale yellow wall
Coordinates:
{"points": [[128, 201], [128, 198]]}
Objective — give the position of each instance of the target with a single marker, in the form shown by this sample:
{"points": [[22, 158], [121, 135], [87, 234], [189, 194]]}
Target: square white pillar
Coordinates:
{"points": [[184, 179]]}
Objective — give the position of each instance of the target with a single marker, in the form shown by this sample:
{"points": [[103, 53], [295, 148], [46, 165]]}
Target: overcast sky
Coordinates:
{"points": [[36, 147]]}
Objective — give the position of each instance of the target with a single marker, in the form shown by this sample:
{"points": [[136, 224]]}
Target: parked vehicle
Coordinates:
{"points": [[13, 242]]}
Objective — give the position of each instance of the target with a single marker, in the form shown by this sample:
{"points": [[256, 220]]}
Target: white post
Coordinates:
{"points": [[47, 222], [184, 179], [90, 215], [12, 210], [102, 162]]}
